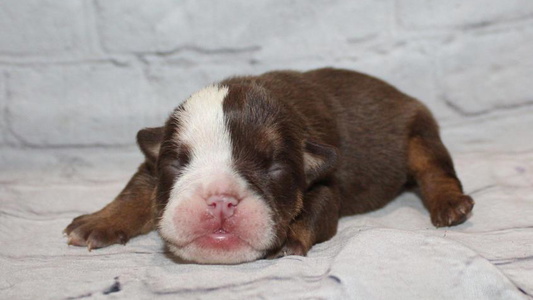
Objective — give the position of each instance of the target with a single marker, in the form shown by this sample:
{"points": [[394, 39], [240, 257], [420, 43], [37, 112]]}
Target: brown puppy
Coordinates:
{"points": [[264, 166]]}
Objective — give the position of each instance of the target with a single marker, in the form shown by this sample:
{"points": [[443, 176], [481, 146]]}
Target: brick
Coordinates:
{"points": [[324, 31], [41, 27], [278, 28], [485, 71], [97, 104], [420, 14]]}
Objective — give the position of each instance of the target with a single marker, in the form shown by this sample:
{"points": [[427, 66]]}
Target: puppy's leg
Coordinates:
{"points": [[432, 168], [129, 215], [316, 223]]}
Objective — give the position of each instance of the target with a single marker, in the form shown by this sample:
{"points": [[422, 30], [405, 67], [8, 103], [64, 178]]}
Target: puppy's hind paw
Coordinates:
{"points": [[452, 210]]}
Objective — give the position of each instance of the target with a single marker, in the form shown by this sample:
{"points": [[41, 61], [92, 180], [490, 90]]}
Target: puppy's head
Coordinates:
{"points": [[233, 163]]}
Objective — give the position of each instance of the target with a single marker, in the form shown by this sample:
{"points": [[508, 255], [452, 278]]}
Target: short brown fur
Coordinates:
{"points": [[370, 140]]}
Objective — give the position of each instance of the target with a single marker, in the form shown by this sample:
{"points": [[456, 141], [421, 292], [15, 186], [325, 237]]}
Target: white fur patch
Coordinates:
{"points": [[211, 171]]}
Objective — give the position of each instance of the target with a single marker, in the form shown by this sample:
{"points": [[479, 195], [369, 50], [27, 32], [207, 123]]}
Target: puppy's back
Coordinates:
{"points": [[375, 122]]}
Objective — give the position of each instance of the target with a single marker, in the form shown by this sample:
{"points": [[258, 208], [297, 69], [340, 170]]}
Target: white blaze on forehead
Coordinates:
{"points": [[202, 125], [203, 130]]}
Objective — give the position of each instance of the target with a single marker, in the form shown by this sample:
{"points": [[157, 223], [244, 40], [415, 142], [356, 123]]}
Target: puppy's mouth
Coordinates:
{"points": [[221, 235], [219, 247], [221, 240]]}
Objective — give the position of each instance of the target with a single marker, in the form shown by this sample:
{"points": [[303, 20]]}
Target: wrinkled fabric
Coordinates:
{"points": [[392, 253]]}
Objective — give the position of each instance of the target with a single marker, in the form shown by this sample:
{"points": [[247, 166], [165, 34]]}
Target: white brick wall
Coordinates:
{"points": [[83, 74], [303, 27], [79, 104]]}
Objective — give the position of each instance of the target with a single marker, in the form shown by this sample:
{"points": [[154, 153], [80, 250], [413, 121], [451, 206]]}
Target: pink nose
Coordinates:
{"points": [[222, 206]]}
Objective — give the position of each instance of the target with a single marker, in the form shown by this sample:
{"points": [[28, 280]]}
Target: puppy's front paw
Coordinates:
{"points": [[95, 231], [451, 210]]}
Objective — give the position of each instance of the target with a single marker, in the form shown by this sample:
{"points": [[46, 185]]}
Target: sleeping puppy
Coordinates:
{"points": [[264, 166]]}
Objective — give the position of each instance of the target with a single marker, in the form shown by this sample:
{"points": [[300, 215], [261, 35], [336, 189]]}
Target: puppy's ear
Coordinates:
{"points": [[149, 140], [319, 160]]}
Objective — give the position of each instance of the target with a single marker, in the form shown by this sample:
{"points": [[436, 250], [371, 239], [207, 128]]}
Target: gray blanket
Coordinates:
{"points": [[392, 253]]}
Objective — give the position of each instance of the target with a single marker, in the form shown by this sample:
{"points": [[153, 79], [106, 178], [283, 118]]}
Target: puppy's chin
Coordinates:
{"points": [[233, 252]]}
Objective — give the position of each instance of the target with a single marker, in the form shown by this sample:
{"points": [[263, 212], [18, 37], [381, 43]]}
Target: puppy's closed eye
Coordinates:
{"points": [[275, 169]]}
